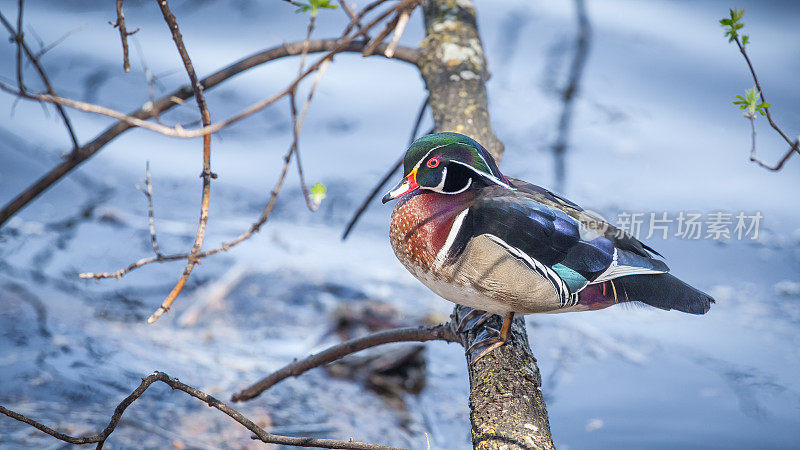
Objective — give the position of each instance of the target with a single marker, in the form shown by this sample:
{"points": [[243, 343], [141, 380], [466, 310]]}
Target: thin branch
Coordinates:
{"points": [[148, 193], [225, 246], [297, 123], [374, 42], [360, 15], [260, 434], [206, 175], [18, 38], [379, 186], [179, 131], [148, 76], [352, 16], [123, 35], [152, 109], [442, 332], [243, 236], [46, 48], [34, 59], [402, 21], [794, 146], [753, 158]]}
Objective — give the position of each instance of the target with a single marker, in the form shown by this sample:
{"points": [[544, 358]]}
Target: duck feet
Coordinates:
{"points": [[474, 318], [489, 338]]}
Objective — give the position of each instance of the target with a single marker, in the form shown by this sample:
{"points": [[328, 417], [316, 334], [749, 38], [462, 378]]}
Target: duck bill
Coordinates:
{"points": [[405, 186]]}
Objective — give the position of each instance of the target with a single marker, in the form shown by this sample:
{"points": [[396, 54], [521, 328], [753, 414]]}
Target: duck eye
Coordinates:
{"points": [[432, 163]]}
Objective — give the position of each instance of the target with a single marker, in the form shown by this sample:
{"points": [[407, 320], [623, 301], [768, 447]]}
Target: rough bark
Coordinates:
{"points": [[507, 410]]}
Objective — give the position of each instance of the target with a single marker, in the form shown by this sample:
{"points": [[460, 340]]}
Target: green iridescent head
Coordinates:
{"points": [[448, 163]]}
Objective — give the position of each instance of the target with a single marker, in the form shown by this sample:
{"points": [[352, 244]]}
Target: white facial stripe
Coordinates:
{"points": [[484, 174], [440, 187], [426, 155], [451, 237], [469, 183]]}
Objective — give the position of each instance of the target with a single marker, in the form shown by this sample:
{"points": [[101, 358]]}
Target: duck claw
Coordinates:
{"points": [[474, 318], [487, 340]]}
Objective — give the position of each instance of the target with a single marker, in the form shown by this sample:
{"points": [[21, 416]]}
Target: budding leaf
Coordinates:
{"points": [[732, 25], [317, 193], [312, 5], [750, 102]]}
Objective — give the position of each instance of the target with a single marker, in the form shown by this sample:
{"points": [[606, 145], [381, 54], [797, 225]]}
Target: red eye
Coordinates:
{"points": [[433, 162]]}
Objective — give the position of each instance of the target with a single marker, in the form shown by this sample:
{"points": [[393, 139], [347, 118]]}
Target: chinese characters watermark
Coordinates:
{"points": [[717, 225]]}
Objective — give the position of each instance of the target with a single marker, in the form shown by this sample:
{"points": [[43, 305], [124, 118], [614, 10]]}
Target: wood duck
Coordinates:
{"points": [[504, 246]]}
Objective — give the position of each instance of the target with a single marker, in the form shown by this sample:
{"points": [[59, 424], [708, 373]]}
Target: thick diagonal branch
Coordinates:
{"points": [[442, 332]]}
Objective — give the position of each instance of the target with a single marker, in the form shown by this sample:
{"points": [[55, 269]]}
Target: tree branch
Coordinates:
{"points": [[205, 115], [260, 434], [34, 59], [442, 332], [148, 194], [153, 109], [794, 146], [123, 35], [179, 131]]}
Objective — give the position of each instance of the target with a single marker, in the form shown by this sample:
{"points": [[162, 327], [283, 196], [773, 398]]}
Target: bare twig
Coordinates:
{"points": [[18, 37], [297, 122], [206, 175], [402, 21], [373, 43], [297, 125], [152, 109], [123, 35], [149, 77], [352, 16], [357, 20], [442, 332], [34, 59], [261, 434], [46, 48], [179, 131], [225, 246], [379, 186], [148, 193], [794, 146]]}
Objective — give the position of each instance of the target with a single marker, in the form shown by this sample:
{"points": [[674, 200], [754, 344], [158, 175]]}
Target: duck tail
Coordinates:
{"points": [[662, 291]]}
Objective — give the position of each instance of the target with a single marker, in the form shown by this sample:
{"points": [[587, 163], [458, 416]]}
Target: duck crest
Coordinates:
{"points": [[420, 224]]}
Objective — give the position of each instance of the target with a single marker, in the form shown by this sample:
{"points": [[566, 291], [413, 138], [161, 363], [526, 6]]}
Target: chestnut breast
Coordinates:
{"points": [[420, 224]]}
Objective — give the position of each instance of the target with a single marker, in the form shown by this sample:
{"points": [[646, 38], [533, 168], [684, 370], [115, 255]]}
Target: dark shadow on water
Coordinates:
{"points": [[569, 94]]}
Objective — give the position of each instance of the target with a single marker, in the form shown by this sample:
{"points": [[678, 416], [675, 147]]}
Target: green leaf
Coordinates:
{"points": [[750, 102], [312, 5], [317, 193], [745, 39], [732, 25]]}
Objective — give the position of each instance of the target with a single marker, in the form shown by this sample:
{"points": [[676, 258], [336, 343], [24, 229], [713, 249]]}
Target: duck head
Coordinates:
{"points": [[447, 163]]}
